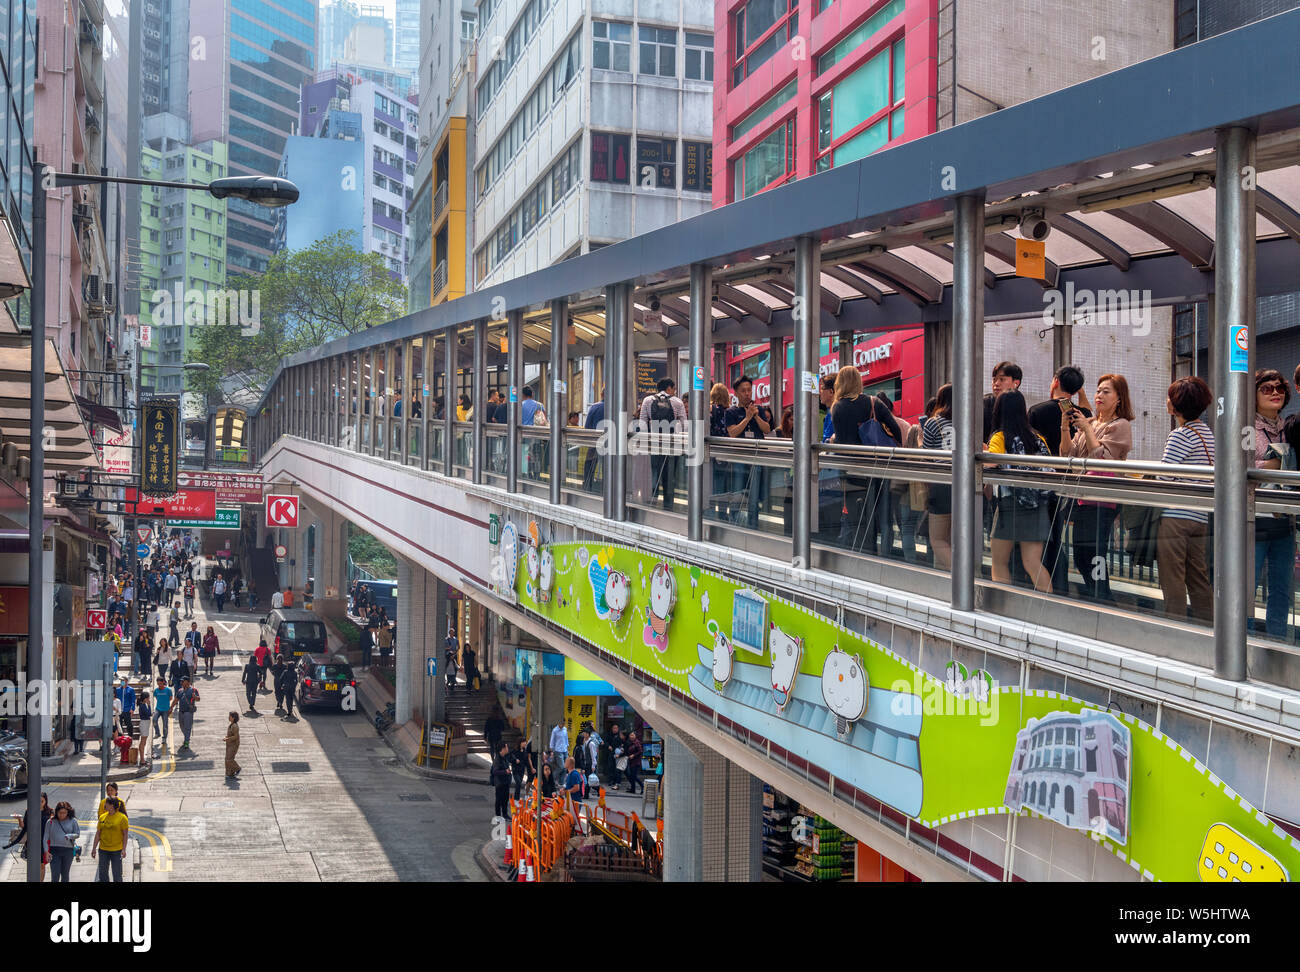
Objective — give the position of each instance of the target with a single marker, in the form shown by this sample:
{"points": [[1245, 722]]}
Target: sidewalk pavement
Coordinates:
{"points": [[86, 767]]}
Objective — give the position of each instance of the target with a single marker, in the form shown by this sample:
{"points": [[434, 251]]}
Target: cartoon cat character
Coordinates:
{"points": [[722, 658], [546, 575], [844, 687], [532, 562], [659, 612], [618, 591], [787, 653]]}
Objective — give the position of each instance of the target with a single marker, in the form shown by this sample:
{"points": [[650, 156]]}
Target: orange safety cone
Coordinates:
{"points": [[509, 850], [523, 867]]}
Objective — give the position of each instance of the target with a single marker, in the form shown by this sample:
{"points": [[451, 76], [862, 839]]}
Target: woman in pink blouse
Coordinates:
{"points": [[1107, 435]]}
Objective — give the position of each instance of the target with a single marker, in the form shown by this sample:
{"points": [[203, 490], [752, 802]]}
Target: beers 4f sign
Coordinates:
{"points": [[281, 510]]}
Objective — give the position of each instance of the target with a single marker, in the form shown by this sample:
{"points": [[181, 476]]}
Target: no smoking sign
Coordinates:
{"points": [[281, 510]]}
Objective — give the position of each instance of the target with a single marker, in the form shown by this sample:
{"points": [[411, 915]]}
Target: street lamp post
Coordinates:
{"points": [[263, 190]]}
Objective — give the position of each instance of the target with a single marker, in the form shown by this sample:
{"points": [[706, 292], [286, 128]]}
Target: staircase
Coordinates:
{"points": [[469, 710], [262, 569]]}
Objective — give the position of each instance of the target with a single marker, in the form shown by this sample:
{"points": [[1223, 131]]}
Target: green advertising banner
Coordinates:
{"points": [[227, 519], [935, 749]]}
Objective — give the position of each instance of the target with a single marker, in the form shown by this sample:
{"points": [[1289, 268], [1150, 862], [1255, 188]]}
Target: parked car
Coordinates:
{"points": [[294, 632], [323, 680], [13, 764]]}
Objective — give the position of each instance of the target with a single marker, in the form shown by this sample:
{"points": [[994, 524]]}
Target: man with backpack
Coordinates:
{"points": [[663, 415], [288, 686], [501, 776], [219, 593], [186, 701], [746, 420]]}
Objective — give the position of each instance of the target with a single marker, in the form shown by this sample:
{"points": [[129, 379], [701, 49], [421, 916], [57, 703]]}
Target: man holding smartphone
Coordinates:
{"points": [[1045, 419]]}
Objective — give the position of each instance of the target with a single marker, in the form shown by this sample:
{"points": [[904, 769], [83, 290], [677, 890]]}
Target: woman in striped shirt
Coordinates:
{"points": [[1181, 541]]}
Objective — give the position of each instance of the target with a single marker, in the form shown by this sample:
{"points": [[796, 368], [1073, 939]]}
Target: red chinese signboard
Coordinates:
{"points": [[230, 487], [191, 504], [13, 611]]}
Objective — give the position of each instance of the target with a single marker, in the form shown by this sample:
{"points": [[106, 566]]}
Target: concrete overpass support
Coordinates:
{"points": [[331, 561], [421, 628], [713, 816]]}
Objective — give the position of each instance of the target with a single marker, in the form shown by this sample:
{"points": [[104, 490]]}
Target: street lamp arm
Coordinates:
{"points": [[62, 179]]}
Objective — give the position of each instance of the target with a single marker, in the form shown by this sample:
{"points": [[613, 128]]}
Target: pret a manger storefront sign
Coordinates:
{"points": [[159, 446]]}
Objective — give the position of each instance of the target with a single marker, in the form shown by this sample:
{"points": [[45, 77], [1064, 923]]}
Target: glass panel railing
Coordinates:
{"points": [[435, 445], [1277, 506], [749, 485], [891, 503], [381, 437], [494, 450], [656, 470], [463, 443], [413, 450], [584, 462], [535, 455]]}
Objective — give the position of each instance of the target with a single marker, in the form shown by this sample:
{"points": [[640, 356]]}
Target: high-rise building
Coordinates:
{"points": [[257, 55], [18, 86], [441, 224], [377, 132], [182, 245], [406, 46], [336, 23], [573, 155]]}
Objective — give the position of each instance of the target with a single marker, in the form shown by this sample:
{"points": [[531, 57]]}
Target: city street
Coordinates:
{"points": [[320, 798]]}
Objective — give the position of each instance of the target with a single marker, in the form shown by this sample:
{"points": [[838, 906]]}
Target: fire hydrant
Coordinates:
{"points": [[123, 743]]}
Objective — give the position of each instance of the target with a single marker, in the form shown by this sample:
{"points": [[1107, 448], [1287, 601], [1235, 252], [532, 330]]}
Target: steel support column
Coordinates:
{"points": [[807, 345], [1234, 309], [515, 371], [452, 340], [701, 328], [967, 414], [478, 382], [618, 317], [557, 397]]}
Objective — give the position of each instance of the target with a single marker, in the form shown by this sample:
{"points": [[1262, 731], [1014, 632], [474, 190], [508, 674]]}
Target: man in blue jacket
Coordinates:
{"points": [[126, 695]]}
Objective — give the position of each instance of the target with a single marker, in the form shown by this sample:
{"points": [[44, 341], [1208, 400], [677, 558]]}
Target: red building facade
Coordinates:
{"points": [[803, 85]]}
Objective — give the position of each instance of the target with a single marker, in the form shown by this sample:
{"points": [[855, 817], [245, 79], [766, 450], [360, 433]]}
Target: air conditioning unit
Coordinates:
{"points": [[109, 294], [92, 288], [83, 213]]}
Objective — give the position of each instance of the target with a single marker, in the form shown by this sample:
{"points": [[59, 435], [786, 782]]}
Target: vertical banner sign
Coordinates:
{"points": [[159, 444]]}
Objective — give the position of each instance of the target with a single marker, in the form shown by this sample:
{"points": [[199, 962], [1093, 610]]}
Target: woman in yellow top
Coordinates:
{"points": [[110, 793], [110, 837], [1021, 515]]}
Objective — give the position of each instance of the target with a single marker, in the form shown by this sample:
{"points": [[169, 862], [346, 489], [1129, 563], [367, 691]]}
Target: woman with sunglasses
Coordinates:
{"points": [[1274, 534]]}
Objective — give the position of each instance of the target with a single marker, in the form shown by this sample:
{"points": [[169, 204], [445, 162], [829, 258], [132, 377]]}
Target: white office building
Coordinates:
{"points": [[588, 128]]}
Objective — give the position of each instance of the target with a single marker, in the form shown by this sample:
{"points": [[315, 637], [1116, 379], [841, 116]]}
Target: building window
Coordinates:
{"points": [[611, 45], [768, 163], [861, 35], [658, 51], [656, 163], [610, 157], [697, 167], [765, 111], [468, 23], [761, 28], [699, 56], [863, 111]]}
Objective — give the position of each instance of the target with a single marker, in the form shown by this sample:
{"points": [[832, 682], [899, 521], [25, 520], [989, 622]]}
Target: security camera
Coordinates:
{"points": [[1033, 226], [654, 303], [462, 340]]}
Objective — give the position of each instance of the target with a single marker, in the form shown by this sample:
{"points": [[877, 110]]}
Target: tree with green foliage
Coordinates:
{"points": [[369, 553], [305, 298]]}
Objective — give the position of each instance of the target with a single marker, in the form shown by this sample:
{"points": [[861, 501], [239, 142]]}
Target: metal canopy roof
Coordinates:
{"points": [[73, 449], [1121, 166]]}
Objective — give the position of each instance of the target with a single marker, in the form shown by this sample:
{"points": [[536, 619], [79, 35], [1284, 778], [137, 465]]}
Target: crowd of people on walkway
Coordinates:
{"points": [[60, 838]]}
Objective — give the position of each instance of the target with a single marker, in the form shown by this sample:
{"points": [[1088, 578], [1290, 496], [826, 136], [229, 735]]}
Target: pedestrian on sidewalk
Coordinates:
{"points": [[152, 622], [143, 652], [501, 780], [263, 655], [277, 671], [559, 745], [469, 658], [385, 642], [61, 835], [493, 727], [277, 600], [110, 837], [179, 670], [193, 647], [548, 781], [252, 679], [163, 658], [367, 646], [520, 764], [232, 747], [288, 597], [186, 701], [633, 751], [173, 623], [145, 714], [236, 586], [188, 591], [451, 672], [219, 593], [574, 783], [615, 746], [162, 710], [211, 648], [289, 685], [126, 695]]}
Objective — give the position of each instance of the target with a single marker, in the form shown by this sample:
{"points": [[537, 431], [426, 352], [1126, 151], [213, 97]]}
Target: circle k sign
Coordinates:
{"points": [[281, 511]]}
